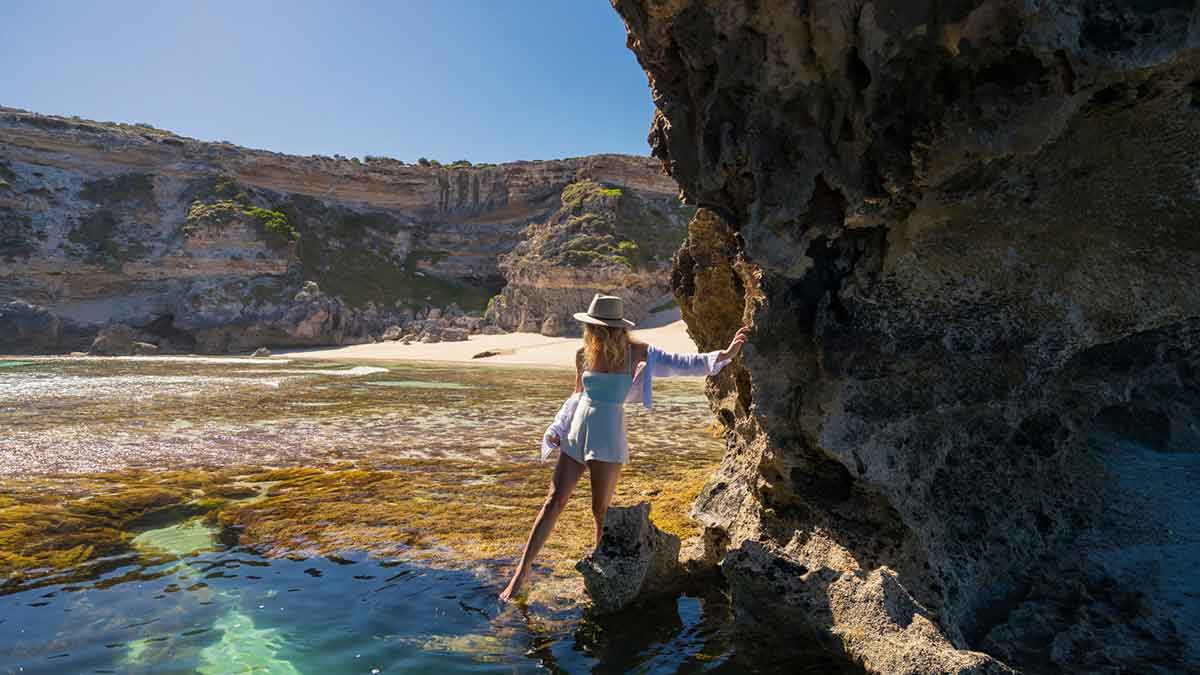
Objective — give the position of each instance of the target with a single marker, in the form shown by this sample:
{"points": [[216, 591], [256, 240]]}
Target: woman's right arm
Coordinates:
{"points": [[562, 421]]}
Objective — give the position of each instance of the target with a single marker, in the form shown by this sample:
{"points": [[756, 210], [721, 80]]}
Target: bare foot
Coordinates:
{"points": [[513, 587]]}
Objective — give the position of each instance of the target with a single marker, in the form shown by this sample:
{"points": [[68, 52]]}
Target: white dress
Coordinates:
{"points": [[658, 362]]}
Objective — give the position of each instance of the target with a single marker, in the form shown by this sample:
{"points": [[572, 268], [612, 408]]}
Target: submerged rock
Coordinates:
{"points": [[966, 237], [635, 560]]}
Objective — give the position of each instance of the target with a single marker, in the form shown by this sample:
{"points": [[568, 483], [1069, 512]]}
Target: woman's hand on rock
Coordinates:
{"points": [[735, 347]]}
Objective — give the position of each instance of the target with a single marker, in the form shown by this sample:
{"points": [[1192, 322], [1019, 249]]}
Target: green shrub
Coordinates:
{"points": [[274, 224]]}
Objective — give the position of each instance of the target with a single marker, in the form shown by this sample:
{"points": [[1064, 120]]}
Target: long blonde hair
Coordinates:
{"points": [[604, 348]]}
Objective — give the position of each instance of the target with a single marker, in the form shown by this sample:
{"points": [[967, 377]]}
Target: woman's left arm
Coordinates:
{"points": [[666, 364]]}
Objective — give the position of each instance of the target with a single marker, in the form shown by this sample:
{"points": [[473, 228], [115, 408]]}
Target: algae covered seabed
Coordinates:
{"points": [[152, 469]]}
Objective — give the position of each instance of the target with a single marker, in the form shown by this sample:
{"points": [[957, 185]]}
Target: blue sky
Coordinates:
{"points": [[444, 79]]}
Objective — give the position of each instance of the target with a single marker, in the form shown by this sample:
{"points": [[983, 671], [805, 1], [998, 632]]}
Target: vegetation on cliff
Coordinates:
{"points": [[599, 226]]}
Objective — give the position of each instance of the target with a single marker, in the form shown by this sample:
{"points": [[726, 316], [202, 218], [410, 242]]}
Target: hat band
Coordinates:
{"points": [[601, 316]]}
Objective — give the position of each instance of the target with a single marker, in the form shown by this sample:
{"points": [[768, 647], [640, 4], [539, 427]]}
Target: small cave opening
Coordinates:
{"points": [[163, 327], [857, 71], [1015, 70]]}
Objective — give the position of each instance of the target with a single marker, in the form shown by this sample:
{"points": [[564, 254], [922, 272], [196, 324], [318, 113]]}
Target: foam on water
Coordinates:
{"points": [[182, 359], [419, 384]]}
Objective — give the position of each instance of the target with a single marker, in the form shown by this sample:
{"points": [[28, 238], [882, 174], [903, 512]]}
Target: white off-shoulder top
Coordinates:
{"points": [[659, 363]]}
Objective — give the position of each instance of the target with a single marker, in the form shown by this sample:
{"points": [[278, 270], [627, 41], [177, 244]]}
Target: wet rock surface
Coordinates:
{"points": [[634, 561], [966, 237]]}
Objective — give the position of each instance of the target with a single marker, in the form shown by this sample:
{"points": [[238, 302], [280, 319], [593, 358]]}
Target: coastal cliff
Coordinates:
{"points": [[964, 435], [604, 240], [207, 246]]}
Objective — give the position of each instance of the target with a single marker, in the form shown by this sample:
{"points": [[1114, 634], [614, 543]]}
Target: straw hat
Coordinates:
{"points": [[605, 310]]}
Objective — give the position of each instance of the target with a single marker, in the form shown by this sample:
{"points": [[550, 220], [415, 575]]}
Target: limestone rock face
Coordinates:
{"points": [[205, 245], [635, 560], [966, 237], [601, 240], [26, 328]]}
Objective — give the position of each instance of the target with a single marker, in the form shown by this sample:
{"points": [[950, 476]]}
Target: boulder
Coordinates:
{"points": [[492, 329], [113, 340], [138, 348], [635, 560], [880, 623], [28, 329], [454, 334], [308, 292], [701, 555], [554, 326], [392, 333]]}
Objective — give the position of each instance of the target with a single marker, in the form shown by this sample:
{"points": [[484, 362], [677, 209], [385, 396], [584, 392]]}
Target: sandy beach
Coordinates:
{"points": [[664, 329]]}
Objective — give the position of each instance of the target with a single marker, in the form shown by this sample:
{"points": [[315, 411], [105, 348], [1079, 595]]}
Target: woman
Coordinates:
{"points": [[592, 420]]}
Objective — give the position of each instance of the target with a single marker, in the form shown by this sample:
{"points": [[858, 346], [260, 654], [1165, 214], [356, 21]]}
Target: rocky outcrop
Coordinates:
{"points": [[634, 561], [206, 245], [29, 329], [965, 235], [601, 240]]}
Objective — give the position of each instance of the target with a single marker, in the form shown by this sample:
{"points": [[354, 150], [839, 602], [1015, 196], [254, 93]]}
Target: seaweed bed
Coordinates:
{"points": [[319, 460]]}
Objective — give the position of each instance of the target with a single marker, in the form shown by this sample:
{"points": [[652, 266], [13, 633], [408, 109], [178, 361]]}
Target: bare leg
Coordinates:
{"points": [[604, 481], [566, 475]]}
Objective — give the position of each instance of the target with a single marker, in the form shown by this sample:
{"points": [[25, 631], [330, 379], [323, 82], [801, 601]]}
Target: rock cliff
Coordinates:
{"points": [[601, 240], [964, 435], [206, 246]]}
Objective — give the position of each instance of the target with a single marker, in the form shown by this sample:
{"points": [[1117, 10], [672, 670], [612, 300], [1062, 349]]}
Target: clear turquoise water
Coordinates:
{"points": [[232, 611]]}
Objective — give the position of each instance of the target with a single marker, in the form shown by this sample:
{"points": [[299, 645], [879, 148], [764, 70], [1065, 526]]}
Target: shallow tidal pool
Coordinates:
{"points": [[224, 515], [231, 610]]}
